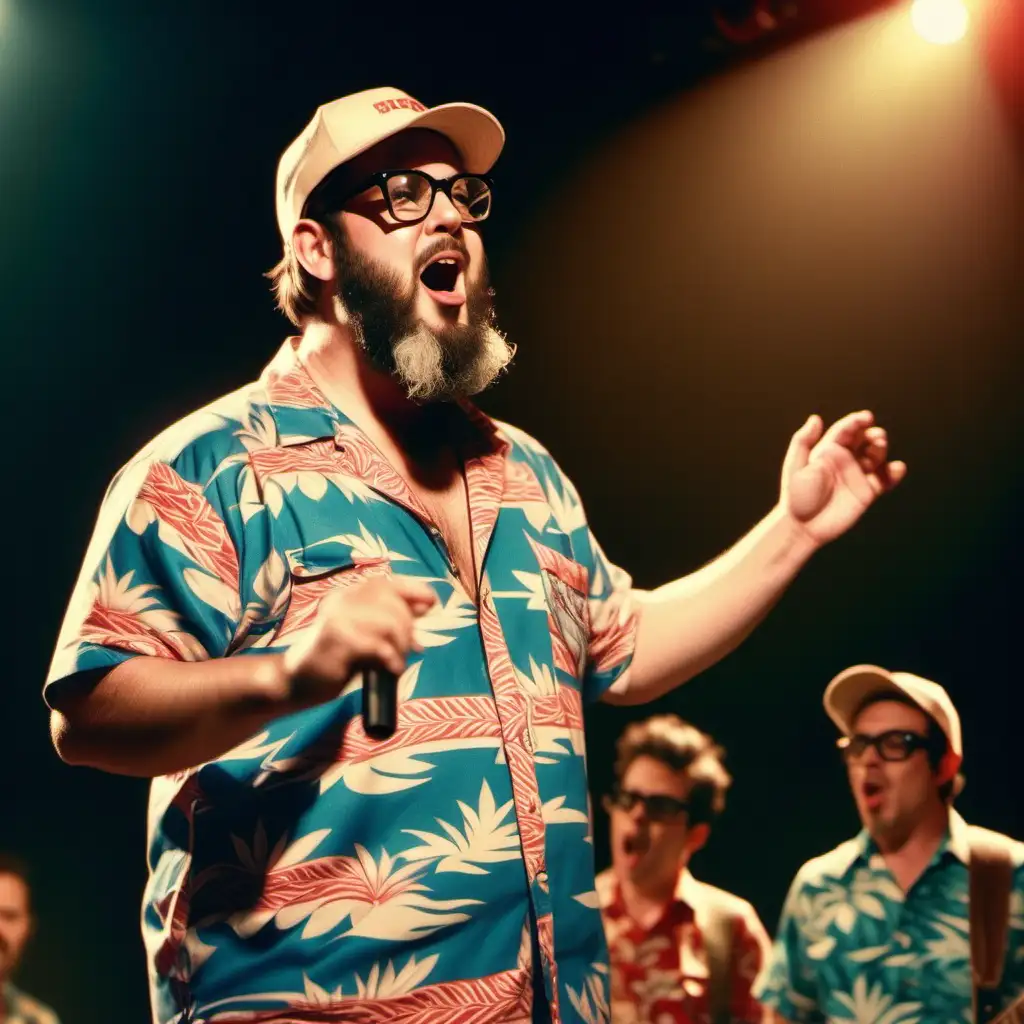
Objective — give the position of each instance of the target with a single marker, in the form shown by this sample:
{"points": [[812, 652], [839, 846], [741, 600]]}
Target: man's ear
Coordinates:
{"points": [[314, 249]]}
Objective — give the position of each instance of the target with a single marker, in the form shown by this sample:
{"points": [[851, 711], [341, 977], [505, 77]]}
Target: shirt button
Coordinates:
{"points": [[542, 877], [455, 571], [531, 804]]}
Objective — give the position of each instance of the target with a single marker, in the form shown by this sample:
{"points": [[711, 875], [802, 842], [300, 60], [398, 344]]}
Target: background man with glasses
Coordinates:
{"points": [[351, 508], [680, 951], [877, 929]]}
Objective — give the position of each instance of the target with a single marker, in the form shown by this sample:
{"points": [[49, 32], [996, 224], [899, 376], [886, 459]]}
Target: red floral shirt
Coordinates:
{"points": [[695, 966]]}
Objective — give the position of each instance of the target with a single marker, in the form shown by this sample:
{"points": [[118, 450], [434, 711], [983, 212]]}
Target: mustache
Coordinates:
{"points": [[449, 243]]}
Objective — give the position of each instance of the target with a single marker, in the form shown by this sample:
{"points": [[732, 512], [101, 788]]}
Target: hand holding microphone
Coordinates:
{"points": [[366, 627]]}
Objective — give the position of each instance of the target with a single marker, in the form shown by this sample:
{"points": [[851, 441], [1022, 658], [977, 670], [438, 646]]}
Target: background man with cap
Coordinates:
{"points": [[878, 928], [351, 509]]}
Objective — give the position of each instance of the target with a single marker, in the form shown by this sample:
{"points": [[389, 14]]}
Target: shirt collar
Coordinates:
{"points": [[609, 892], [687, 889], [302, 413]]}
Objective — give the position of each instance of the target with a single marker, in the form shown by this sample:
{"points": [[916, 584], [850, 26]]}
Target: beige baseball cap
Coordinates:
{"points": [[844, 695], [346, 127]]}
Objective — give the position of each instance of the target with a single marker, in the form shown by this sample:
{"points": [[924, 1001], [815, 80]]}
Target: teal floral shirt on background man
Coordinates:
{"points": [[853, 947]]}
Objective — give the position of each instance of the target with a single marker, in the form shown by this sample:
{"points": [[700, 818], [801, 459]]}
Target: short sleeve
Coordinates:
{"points": [[160, 578], [612, 603], [786, 984]]}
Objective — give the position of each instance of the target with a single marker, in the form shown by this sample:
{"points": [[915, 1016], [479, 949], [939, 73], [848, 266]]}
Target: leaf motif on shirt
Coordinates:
{"points": [[821, 949], [533, 592], [214, 592], [262, 747], [457, 612], [385, 773], [378, 899], [863, 956], [566, 507], [554, 813], [301, 848], [317, 996], [259, 430], [131, 616], [588, 899], [540, 681], [269, 583], [313, 485], [869, 887], [953, 943], [873, 1006], [485, 838], [959, 922], [590, 1001], [845, 917], [249, 500], [364, 546], [901, 960], [387, 984]]}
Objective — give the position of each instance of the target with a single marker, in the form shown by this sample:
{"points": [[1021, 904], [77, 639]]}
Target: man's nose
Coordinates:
{"points": [[870, 758], [443, 215]]}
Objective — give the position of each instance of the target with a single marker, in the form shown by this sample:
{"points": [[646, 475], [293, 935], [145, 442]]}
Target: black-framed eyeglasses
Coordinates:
{"points": [[657, 806], [892, 745], [409, 195]]}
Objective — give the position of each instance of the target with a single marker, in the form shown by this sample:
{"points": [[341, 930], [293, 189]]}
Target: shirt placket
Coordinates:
{"points": [[485, 476]]}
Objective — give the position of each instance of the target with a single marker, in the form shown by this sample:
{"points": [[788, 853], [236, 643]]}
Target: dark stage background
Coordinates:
{"points": [[694, 247]]}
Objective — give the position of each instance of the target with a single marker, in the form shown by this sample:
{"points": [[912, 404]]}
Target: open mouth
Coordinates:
{"points": [[635, 845], [872, 793], [442, 278]]}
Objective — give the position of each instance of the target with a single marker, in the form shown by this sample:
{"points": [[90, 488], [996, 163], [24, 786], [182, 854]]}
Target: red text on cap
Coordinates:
{"points": [[399, 103]]}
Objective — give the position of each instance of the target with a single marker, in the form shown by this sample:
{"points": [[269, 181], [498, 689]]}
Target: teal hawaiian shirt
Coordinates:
{"points": [[852, 946], [313, 873]]}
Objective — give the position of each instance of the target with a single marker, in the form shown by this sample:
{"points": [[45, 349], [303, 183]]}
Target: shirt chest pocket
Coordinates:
{"points": [[565, 586], [316, 571]]}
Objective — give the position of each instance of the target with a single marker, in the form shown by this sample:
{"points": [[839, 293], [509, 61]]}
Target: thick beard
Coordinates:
{"points": [[432, 364]]}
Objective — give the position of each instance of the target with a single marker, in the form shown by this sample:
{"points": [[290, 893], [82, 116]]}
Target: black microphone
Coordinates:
{"points": [[380, 702]]}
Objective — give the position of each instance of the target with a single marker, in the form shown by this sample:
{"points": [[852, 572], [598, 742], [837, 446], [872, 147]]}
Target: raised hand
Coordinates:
{"points": [[369, 623], [830, 480]]}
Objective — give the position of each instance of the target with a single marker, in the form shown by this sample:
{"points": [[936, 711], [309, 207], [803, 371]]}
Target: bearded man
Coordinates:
{"points": [[351, 510]]}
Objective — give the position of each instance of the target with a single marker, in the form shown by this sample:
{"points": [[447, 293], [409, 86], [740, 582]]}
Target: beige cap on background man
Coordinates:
{"points": [[845, 694], [346, 127]]}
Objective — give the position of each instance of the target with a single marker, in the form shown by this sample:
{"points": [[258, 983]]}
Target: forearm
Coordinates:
{"points": [[151, 716], [688, 625]]}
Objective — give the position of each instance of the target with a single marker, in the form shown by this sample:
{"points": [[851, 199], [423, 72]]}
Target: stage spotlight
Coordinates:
{"points": [[940, 21]]}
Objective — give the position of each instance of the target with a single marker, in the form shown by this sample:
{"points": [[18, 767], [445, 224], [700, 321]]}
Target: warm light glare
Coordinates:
{"points": [[940, 21]]}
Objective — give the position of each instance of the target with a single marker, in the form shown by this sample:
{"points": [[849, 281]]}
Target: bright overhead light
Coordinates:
{"points": [[940, 21]]}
